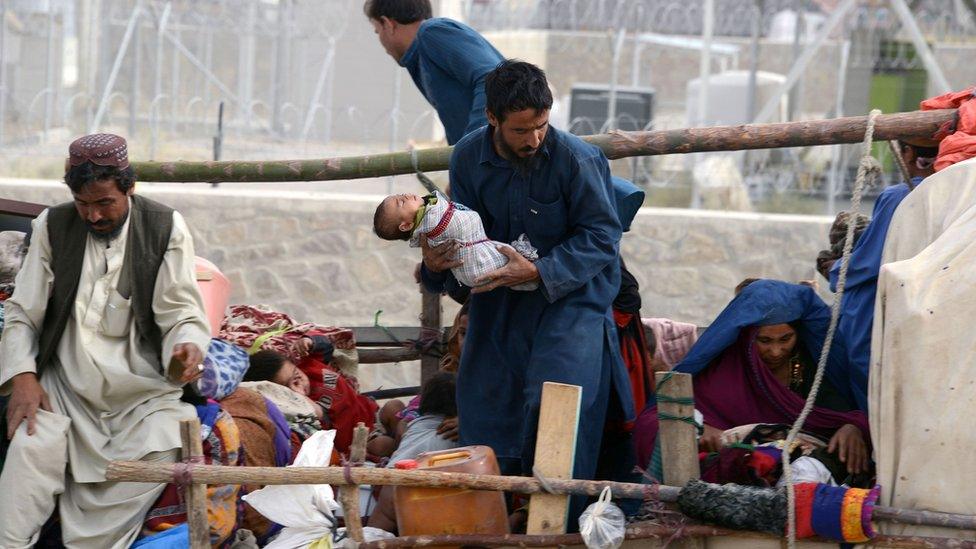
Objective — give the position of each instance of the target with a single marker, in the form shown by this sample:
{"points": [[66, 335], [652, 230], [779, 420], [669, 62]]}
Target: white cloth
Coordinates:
{"points": [[922, 382], [478, 254], [421, 436], [121, 405]]}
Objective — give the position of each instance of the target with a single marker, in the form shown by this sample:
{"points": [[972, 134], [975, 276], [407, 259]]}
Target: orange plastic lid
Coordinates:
{"points": [[406, 464]]}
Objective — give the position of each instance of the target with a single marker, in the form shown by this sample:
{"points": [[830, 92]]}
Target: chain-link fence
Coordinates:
{"points": [[301, 78]]}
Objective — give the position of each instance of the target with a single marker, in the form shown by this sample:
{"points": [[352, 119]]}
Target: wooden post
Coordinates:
{"points": [[195, 495], [349, 495], [430, 321], [555, 453], [679, 449]]}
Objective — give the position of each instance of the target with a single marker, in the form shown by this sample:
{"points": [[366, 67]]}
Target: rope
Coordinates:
{"points": [[183, 471], [868, 169], [690, 420], [376, 324], [543, 482], [687, 419]]}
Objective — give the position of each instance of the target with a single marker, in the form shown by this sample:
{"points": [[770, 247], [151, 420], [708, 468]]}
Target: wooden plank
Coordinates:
{"points": [[22, 209], [195, 495], [349, 495], [387, 356], [399, 392], [555, 453], [430, 322], [375, 336], [679, 449]]}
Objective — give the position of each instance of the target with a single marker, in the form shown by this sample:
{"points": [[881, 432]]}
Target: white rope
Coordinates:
{"points": [[867, 170]]}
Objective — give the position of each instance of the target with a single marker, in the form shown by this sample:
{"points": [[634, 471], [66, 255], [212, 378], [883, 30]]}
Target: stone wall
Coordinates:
{"points": [[314, 256]]}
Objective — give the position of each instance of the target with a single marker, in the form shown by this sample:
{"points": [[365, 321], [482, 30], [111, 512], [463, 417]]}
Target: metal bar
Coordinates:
{"points": [[618, 46], [835, 167], [123, 47], [3, 69], [49, 73], [704, 69], [394, 120], [799, 21], [319, 86], [754, 59], [203, 68], [136, 76], [921, 46], [798, 68]]}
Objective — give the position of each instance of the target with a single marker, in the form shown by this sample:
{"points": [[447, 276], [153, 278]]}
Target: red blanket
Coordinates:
{"points": [[959, 141]]}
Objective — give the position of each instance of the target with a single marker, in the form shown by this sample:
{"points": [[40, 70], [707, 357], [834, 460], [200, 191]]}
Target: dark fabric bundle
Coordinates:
{"points": [[733, 506], [838, 232]]}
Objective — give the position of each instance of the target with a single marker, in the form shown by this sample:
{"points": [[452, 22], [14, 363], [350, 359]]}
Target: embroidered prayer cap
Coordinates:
{"points": [[103, 149]]}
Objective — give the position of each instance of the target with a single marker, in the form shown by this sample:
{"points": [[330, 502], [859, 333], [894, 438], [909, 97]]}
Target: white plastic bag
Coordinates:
{"points": [[602, 524], [306, 511]]}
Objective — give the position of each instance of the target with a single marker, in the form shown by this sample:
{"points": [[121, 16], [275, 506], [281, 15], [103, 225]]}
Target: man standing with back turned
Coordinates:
{"points": [[522, 176], [106, 297], [447, 60]]}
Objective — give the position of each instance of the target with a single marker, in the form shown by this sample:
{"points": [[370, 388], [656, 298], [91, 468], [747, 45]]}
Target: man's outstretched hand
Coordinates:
{"points": [[26, 397], [517, 271], [191, 358]]}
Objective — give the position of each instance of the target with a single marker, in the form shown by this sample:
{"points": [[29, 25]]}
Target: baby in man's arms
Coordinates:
{"points": [[408, 216]]}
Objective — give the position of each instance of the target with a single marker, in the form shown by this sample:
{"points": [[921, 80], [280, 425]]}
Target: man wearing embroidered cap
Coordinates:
{"points": [[106, 297]]}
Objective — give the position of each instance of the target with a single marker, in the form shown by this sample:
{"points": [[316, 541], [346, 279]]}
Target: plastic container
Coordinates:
{"points": [[215, 290], [430, 511]]}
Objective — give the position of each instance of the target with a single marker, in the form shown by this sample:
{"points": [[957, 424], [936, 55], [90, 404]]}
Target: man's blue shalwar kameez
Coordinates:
{"points": [[448, 62], [857, 307], [562, 332]]}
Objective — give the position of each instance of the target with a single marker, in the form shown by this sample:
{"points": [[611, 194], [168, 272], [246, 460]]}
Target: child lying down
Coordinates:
{"points": [[408, 216]]}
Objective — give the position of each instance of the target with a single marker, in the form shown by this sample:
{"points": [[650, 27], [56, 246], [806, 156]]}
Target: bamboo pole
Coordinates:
{"points": [[141, 471], [618, 144], [195, 495], [349, 495]]}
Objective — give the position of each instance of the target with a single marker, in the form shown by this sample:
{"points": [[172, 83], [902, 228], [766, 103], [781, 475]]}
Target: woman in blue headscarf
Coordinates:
{"points": [[756, 363]]}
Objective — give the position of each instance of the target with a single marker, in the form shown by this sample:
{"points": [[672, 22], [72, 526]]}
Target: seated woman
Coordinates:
{"points": [[756, 363], [277, 379]]}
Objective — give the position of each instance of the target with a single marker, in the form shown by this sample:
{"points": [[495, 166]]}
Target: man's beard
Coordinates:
{"points": [[521, 164], [110, 235]]}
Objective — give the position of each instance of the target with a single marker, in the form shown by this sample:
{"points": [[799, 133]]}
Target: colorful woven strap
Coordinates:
{"points": [[826, 517], [869, 502], [804, 508], [851, 515]]}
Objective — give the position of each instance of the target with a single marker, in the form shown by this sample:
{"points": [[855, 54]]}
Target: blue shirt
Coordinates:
{"points": [[857, 307], [562, 332], [448, 62]]}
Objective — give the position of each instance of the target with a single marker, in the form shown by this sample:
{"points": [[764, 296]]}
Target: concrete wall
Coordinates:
{"points": [[315, 256]]}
